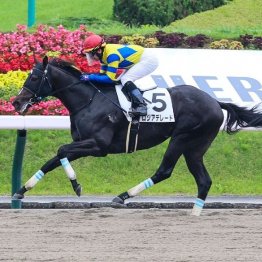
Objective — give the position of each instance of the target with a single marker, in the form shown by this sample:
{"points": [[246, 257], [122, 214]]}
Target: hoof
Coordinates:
{"points": [[118, 200], [78, 190], [17, 196], [117, 205]]}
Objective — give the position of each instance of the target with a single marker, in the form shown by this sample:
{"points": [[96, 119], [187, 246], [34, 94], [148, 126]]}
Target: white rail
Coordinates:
{"points": [[47, 122], [34, 122]]}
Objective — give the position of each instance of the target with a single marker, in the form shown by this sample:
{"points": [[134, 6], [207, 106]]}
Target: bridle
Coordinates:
{"points": [[36, 95]]}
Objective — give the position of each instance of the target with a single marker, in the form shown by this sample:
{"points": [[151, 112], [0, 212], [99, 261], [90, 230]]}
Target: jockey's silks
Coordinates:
{"points": [[117, 56]]}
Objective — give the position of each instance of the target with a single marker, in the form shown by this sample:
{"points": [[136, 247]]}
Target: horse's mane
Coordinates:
{"points": [[70, 68], [66, 66]]}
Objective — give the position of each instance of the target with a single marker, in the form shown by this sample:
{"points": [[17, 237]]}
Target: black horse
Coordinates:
{"points": [[99, 127]]}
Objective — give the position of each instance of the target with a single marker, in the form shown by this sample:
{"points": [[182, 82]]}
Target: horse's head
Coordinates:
{"points": [[36, 86]]}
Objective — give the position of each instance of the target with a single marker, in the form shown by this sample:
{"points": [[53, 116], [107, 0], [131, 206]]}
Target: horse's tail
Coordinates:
{"points": [[241, 117]]}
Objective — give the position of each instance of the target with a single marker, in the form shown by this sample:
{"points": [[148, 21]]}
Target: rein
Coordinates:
{"points": [[99, 91], [38, 98]]}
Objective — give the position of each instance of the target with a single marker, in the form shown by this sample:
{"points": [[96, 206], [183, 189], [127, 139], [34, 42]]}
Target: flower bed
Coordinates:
{"points": [[51, 107], [43, 39], [19, 49]]}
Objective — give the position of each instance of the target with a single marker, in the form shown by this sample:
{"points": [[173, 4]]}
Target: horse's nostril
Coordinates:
{"points": [[15, 104]]}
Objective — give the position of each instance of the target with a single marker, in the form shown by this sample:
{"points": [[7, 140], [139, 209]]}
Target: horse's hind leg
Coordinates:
{"points": [[174, 151], [196, 167], [194, 158], [193, 146]]}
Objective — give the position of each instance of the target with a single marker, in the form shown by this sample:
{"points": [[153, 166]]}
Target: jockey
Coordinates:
{"points": [[137, 61]]}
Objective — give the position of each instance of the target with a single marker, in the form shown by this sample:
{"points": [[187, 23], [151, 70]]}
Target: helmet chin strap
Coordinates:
{"points": [[90, 59]]}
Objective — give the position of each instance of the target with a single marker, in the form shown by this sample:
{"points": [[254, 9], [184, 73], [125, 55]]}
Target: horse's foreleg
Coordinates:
{"points": [[47, 167], [74, 151], [164, 171], [71, 175], [65, 154]]}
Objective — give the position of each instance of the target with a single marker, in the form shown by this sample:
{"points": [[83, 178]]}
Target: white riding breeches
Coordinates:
{"points": [[147, 64]]}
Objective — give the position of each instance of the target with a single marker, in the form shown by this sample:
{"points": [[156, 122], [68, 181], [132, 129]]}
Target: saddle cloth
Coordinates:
{"points": [[159, 105]]}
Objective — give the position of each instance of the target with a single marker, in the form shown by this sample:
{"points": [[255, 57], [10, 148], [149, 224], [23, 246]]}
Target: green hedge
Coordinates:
{"points": [[184, 8], [161, 13], [141, 12]]}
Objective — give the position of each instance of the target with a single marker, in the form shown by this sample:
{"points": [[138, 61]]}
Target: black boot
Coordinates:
{"points": [[138, 104]]}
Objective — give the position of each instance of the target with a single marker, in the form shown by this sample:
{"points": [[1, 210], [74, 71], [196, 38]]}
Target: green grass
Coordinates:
{"points": [[15, 11], [234, 163], [229, 21]]}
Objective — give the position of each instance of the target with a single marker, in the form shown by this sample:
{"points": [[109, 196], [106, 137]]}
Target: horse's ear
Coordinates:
{"points": [[35, 59], [45, 61]]}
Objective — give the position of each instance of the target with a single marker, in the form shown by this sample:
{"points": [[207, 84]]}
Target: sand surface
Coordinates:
{"points": [[108, 234]]}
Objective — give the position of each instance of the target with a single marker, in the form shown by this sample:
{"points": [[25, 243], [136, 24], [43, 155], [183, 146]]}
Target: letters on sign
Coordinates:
{"points": [[247, 89]]}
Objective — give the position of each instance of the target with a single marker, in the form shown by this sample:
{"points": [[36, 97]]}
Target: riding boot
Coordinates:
{"points": [[138, 104]]}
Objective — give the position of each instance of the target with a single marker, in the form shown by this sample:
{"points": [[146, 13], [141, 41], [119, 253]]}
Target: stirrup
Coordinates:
{"points": [[139, 111]]}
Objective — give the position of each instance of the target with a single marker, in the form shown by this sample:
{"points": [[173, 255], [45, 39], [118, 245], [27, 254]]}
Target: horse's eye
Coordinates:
{"points": [[34, 78]]}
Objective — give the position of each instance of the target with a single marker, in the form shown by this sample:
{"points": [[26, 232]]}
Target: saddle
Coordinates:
{"points": [[159, 110]]}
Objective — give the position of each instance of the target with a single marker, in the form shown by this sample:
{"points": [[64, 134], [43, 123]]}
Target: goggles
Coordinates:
{"points": [[92, 51]]}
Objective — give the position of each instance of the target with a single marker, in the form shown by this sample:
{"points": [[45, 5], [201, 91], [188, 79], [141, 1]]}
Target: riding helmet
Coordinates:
{"points": [[93, 43]]}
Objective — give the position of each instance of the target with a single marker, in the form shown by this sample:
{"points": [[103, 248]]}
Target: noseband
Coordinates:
{"points": [[36, 95]]}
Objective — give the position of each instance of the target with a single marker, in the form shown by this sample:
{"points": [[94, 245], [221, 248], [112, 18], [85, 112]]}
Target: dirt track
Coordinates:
{"points": [[108, 234]]}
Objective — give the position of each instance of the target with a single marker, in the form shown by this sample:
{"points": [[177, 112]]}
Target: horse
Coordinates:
{"points": [[99, 126]]}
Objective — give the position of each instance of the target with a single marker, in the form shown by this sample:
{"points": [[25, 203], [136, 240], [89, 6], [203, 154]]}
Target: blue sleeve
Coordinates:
{"points": [[100, 78]]}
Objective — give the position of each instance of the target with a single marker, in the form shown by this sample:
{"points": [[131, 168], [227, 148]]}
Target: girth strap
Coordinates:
{"points": [[132, 135]]}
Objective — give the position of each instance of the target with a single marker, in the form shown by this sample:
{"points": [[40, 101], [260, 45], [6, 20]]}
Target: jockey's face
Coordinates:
{"points": [[96, 57], [93, 56], [97, 54]]}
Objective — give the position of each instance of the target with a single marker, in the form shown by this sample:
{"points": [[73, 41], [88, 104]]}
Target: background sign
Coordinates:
{"points": [[227, 75]]}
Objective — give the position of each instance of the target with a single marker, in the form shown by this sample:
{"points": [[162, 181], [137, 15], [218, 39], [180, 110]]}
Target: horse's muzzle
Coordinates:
{"points": [[21, 108], [23, 101], [21, 105]]}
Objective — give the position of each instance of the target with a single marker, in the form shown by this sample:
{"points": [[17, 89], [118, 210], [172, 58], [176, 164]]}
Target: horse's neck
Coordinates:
{"points": [[73, 94]]}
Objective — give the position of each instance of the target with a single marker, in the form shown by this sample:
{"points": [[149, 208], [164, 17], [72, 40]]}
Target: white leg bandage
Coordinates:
{"points": [[34, 180], [68, 168], [140, 187], [198, 207]]}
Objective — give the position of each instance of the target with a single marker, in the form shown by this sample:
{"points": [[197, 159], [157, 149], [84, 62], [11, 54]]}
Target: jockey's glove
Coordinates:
{"points": [[84, 77]]}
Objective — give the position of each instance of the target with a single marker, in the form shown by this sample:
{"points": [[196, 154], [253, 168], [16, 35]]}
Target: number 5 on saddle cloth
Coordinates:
{"points": [[159, 110]]}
